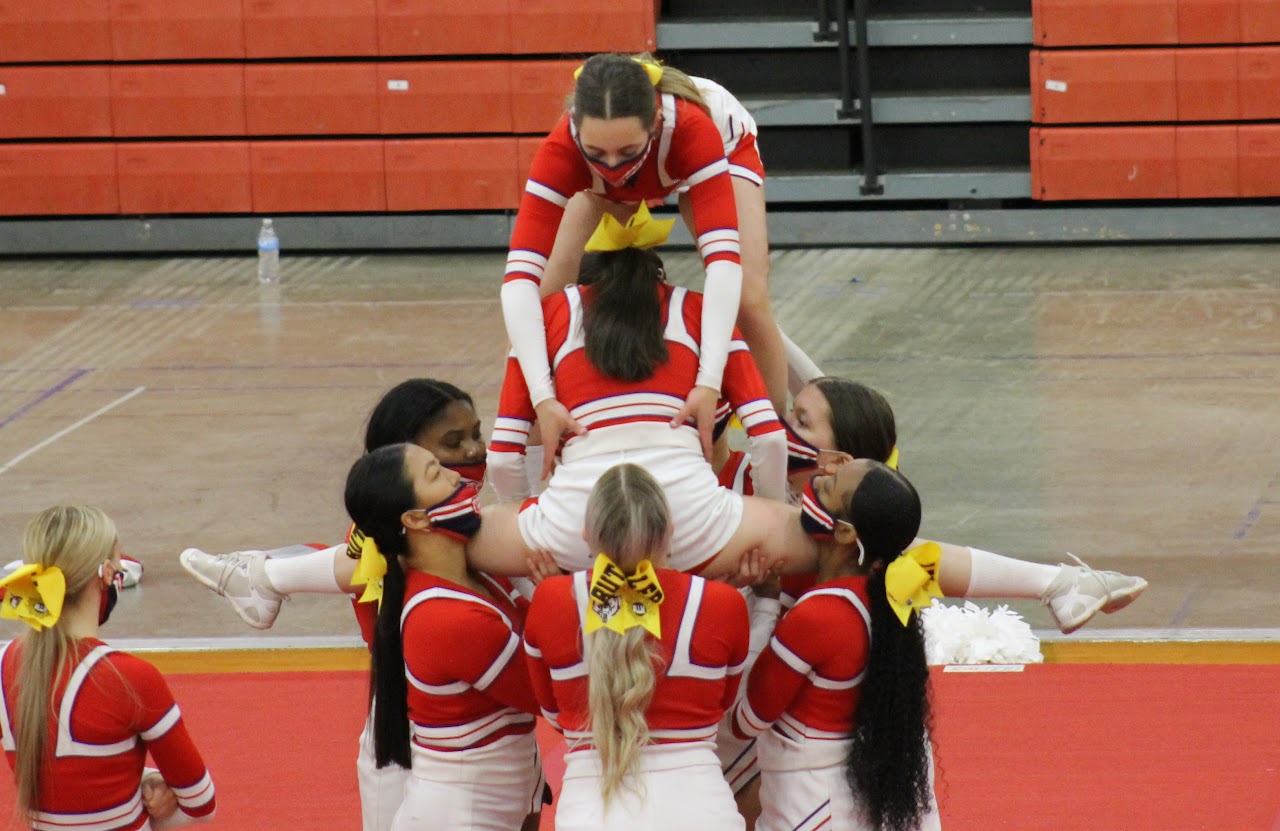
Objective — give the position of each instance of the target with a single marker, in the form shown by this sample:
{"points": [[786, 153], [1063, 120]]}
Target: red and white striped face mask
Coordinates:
{"points": [[457, 516], [472, 473]]}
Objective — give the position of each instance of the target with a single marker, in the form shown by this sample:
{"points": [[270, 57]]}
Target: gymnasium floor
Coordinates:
{"points": [[1120, 403], [1117, 402]]}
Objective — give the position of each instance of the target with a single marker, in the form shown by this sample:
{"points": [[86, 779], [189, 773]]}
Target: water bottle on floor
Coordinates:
{"points": [[268, 254]]}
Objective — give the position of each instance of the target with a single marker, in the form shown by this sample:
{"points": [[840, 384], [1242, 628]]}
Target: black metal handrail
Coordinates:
{"points": [[870, 168]]}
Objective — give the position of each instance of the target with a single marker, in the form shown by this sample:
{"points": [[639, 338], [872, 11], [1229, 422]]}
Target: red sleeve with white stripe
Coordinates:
{"points": [[477, 647], [549, 615], [510, 436], [697, 157], [159, 724], [766, 440], [558, 172], [801, 640]]}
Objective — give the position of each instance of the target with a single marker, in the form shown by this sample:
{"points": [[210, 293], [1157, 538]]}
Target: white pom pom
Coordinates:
{"points": [[971, 634]]}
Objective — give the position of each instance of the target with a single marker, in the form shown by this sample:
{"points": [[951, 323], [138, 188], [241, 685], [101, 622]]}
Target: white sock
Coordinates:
{"points": [[308, 573], [992, 575]]}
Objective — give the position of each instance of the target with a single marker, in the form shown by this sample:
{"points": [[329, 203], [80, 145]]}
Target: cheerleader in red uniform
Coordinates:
{"points": [[636, 663], [453, 701], [78, 718], [839, 697], [435, 415], [625, 351], [638, 131]]}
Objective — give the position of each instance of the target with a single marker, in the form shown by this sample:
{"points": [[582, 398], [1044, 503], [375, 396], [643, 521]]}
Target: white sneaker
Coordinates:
{"points": [[240, 577], [1079, 592]]}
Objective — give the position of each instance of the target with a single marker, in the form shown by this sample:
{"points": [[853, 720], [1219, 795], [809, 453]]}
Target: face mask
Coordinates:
{"points": [[814, 518], [617, 175], [458, 516], [802, 456], [109, 595], [472, 473]]}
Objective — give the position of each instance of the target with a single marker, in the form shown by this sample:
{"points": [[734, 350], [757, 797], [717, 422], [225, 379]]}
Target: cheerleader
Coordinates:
{"points": [[78, 718], [460, 718], [625, 351], [435, 415], [636, 663], [840, 695], [638, 131], [834, 420]]}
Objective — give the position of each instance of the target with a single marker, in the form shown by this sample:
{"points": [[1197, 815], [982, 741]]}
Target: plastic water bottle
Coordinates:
{"points": [[268, 254]]}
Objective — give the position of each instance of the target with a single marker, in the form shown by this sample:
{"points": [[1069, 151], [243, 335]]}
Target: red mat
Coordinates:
{"points": [[1057, 747]]}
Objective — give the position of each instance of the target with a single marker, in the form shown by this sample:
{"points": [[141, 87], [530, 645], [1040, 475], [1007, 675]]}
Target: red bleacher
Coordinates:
{"points": [[286, 106], [1182, 103]]}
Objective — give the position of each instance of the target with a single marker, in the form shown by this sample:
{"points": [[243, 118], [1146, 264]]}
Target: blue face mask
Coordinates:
{"points": [[814, 516], [802, 456], [457, 516]]}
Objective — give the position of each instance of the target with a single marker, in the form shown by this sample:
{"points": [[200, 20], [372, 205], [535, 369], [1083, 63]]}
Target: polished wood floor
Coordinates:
{"points": [[1122, 403]]}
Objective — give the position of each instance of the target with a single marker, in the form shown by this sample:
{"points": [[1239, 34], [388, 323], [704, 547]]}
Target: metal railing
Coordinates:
{"points": [[856, 53]]}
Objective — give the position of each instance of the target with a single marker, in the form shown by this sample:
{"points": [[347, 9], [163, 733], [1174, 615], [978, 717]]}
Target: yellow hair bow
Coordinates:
{"points": [[893, 458], [910, 581], [641, 231], [652, 68], [34, 595], [619, 601], [370, 569]]}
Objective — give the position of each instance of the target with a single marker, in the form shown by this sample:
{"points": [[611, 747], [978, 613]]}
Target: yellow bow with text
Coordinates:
{"points": [[641, 231], [34, 595], [619, 601], [911, 582], [370, 569], [652, 68]]}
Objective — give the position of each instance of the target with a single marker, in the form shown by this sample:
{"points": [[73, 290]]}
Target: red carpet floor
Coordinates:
{"points": [[1057, 747]]}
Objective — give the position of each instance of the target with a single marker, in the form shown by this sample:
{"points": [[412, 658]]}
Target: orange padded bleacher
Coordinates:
{"points": [[293, 99], [55, 101], [1208, 84], [1259, 149], [310, 28], [1104, 163], [1104, 22], [526, 149], [152, 30], [547, 26], [178, 100], [1208, 21], [538, 93], [1260, 82], [1208, 164], [1259, 21], [452, 174], [55, 30], [323, 176], [444, 97], [196, 177], [1103, 85], [444, 27], [58, 179]]}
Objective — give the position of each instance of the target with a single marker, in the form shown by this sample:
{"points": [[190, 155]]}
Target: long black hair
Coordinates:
{"points": [[407, 409], [622, 319], [378, 491], [861, 419], [888, 764]]}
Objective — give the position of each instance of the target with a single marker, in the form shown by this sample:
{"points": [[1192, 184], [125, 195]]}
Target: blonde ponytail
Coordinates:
{"points": [[627, 519], [77, 540]]}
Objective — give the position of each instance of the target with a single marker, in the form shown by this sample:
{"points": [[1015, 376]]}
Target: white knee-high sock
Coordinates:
{"points": [[311, 573], [992, 575]]}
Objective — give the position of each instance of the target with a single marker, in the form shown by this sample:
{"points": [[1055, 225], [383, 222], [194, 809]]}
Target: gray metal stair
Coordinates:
{"points": [[904, 185], [983, 29], [890, 108]]}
